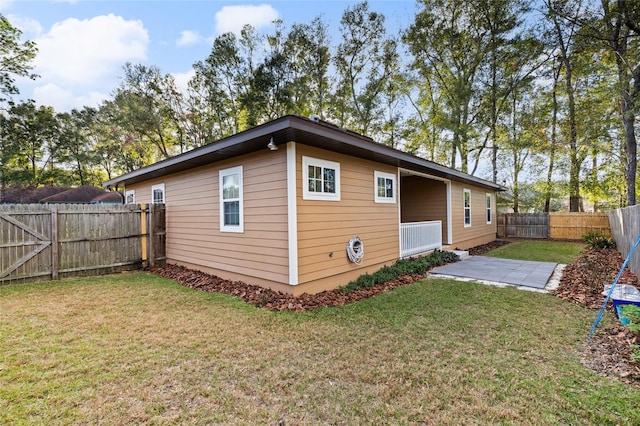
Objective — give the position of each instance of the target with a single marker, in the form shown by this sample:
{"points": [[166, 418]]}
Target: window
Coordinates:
{"points": [[467, 207], [488, 209], [231, 218], [321, 179], [157, 193], [385, 187], [130, 197]]}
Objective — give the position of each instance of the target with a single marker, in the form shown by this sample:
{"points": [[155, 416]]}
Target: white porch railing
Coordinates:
{"points": [[420, 237]]}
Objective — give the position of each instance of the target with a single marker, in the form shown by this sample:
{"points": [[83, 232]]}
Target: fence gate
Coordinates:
{"points": [[524, 225], [49, 241], [25, 244]]}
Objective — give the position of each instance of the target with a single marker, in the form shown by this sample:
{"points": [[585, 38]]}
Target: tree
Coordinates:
{"points": [[449, 46], [15, 58], [366, 60]]}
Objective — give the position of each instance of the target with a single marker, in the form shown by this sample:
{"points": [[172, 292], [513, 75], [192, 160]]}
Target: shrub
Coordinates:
{"points": [[418, 265], [596, 240]]}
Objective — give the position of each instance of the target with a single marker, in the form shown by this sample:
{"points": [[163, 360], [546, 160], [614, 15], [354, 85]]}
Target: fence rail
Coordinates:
{"points": [[420, 237], [557, 225], [50, 241]]}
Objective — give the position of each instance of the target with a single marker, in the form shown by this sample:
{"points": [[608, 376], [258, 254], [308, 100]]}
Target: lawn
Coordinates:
{"points": [[136, 348], [563, 252]]}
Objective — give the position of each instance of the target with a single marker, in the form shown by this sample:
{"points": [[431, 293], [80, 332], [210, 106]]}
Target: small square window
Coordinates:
{"points": [[321, 179], [130, 197], [157, 194], [385, 187]]}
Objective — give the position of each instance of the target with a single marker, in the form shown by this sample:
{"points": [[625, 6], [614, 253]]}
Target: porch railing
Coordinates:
{"points": [[420, 237]]}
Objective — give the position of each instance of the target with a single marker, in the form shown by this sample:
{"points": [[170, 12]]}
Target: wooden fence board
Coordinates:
{"points": [[625, 229], [557, 225], [573, 226], [39, 241]]}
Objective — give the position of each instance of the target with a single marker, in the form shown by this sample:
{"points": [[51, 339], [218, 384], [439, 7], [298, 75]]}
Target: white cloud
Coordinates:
{"points": [[233, 18], [62, 99], [30, 27], [84, 52], [188, 37], [5, 4], [182, 79]]}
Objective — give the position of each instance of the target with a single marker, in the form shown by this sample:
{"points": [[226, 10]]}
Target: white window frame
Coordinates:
{"points": [[132, 193], [489, 203], [466, 207], [386, 176], [157, 187], [324, 164], [221, 175]]}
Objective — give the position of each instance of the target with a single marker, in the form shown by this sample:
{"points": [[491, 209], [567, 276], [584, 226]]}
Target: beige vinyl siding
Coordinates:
{"points": [[479, 232], [259, 255], [423, 200], [325, 227]]}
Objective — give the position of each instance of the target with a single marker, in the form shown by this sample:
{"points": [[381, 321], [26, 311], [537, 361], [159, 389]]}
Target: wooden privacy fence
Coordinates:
{"points": [[50, 241], [625, 228], [557, 225]]}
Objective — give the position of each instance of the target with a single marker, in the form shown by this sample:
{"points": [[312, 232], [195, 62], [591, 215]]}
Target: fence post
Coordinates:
{"points": [[152, 228], [143, 234], [54, 242]]}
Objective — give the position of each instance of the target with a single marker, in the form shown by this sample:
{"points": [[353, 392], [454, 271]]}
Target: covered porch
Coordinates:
{"points": [[425, 213]]}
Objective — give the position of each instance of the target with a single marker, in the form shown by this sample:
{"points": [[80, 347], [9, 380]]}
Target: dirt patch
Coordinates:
{"points": [[609, 352]]}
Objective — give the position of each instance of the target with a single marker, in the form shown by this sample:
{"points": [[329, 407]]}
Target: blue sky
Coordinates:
{"points": [[83, 44]]}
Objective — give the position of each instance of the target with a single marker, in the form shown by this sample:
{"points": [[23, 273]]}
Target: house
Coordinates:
{"points": [[55, 194], [300, 205]]}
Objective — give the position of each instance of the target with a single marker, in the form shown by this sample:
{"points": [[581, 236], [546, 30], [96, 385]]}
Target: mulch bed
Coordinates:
{"points": [[608, 353], [276, 300]]}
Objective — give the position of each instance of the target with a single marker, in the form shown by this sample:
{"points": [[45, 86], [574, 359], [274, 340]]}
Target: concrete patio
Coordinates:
{"points": [[522, 273]]}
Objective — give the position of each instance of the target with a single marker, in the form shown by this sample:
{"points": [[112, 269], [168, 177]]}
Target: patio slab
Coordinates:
{"points": [[505, 271]]}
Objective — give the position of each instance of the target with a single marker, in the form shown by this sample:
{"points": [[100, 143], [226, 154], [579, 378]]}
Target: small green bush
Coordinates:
{"points": [[596, 240], [418, 265]]}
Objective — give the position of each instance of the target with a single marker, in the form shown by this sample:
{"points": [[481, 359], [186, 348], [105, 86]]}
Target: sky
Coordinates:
{"points": [[84, 44]]}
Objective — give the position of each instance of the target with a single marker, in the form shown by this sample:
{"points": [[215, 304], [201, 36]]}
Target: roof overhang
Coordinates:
{"points": [[289, 128]]}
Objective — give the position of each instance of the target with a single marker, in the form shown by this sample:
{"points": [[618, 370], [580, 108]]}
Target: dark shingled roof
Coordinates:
{"points": [[29, 195], [81, 194], [109, 197]]}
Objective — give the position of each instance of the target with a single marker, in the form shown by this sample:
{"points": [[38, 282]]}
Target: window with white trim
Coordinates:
{"points": [[467, 207], [157, 194], [231, 206], [130, 196], [489, 215], [385, 187], [321, 179]]}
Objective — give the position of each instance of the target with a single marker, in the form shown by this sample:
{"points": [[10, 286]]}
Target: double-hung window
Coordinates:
{"points": [[385, 187], [157, 194], [231, 207], [489, 209], [130, 196], [467, 207], [321, 179]]}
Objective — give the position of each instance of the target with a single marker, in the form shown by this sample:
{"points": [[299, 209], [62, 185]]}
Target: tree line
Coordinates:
{"points": [[538, 95]]}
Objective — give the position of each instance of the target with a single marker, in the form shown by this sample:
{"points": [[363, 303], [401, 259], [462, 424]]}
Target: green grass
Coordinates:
{"points": [[139, 349], [563, 252]]}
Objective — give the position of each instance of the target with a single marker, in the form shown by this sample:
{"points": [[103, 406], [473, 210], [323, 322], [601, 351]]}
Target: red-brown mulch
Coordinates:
{"points": [[609, 351], [275, 300], [482, 249]]}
